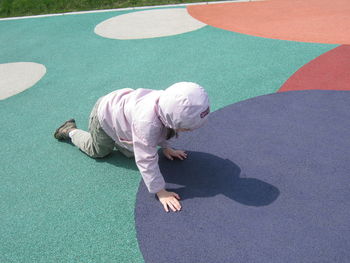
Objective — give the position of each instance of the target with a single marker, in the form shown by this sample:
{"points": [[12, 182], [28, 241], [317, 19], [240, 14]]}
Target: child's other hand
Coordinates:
{"points": [[171, 154], [169, 200]]}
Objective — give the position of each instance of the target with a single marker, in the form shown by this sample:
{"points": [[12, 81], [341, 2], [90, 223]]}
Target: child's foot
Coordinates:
{"points": [[62, 132]]}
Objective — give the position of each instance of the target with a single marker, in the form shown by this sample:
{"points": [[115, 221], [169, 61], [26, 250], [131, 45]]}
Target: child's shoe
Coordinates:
{"points": [[62, 132]]}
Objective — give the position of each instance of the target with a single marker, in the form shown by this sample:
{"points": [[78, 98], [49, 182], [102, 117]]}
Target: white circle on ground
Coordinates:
{"points": [[148, 24], [19, 76]]}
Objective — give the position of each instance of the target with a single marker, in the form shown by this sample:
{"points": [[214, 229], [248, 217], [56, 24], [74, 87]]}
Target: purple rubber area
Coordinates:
{"points": [[266, 180]]}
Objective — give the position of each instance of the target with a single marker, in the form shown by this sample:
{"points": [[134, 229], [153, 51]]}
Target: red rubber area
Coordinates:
{"points": [[330, 71], [317, 21]]}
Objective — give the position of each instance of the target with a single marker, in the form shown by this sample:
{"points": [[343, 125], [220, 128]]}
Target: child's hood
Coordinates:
{"points": [[183, 105]]}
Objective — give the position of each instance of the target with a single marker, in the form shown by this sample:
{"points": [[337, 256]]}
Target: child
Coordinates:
{"points": [[136, 122]]}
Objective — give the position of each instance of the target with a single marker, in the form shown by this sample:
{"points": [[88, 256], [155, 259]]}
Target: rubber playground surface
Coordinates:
{"points": [[266, 180]]}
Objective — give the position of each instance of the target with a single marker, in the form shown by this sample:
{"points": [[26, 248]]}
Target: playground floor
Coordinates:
{"points": [[267, 180]]}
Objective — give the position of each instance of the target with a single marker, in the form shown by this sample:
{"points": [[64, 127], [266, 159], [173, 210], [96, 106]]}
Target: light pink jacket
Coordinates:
{"points": [[137, 121]]}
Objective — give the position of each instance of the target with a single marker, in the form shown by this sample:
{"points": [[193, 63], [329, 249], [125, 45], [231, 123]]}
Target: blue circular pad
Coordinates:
{"points": [[266, 180]]}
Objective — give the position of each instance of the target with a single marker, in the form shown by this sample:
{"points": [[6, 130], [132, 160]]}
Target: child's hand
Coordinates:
{"points": [[169, 199], [171, 154]]}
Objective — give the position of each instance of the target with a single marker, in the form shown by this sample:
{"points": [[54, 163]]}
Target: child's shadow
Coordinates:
{"points": [[206, 175], [119, 160]]}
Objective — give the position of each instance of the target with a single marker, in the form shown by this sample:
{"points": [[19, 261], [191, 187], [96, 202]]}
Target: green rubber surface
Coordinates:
{"points": [[57, 204]]}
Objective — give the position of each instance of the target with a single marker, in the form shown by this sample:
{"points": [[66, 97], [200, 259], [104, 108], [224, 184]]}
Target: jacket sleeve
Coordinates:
{"points": [[145, 138]]}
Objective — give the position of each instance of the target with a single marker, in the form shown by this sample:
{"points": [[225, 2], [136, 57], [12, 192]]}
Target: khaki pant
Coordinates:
{"points": [[96, 143]]}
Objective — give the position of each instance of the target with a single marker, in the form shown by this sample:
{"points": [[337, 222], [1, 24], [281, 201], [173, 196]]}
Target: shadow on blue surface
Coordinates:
{"points": [[206, 175]]}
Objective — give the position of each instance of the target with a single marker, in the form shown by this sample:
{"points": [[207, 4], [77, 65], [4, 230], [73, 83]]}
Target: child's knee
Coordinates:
{"points": [[98, 153]]}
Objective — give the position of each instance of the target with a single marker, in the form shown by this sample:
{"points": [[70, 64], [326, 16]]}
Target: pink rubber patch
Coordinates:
{"points": [[330, 71]]}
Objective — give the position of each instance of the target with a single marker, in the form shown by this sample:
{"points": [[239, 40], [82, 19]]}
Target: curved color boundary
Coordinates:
{"points": [[16, 77], [148, 24], [320, 21], [330, 71], [271, 183]]}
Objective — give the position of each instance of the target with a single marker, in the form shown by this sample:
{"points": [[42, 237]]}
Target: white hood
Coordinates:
{"points": [[183, 105]]}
